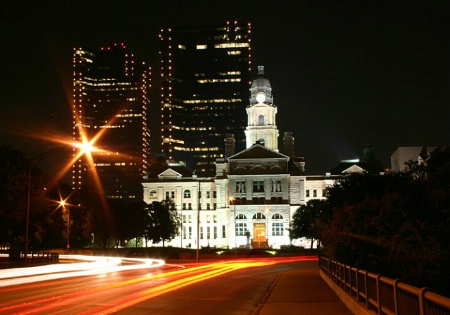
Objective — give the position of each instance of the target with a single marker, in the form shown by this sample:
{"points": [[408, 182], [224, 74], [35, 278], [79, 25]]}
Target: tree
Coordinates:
{"points": [[162, 222], [304, 223], [17, 174], [394, 224]]}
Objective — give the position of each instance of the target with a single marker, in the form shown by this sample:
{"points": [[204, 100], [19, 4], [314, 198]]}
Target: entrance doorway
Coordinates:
{"points": [[259, 236]]}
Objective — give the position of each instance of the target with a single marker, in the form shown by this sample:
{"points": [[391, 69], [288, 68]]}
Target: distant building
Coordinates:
{"points": [[366, 164], [250, 200], [110, 90], [205, 72], [406, 154]]}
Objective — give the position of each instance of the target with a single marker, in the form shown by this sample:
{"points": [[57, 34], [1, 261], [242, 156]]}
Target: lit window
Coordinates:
{"points": [[277, 228], [241, 228], [152, 195], [202, 46]]}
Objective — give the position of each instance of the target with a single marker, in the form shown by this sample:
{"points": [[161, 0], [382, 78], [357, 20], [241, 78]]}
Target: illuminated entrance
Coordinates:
{"points": [[259, 236]]}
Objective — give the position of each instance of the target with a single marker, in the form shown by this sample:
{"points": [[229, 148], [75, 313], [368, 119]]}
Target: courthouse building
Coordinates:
{"points": [[255, 192]]}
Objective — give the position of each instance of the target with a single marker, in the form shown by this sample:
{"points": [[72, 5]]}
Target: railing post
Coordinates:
{"points": [[365, 289], [378, 294]]}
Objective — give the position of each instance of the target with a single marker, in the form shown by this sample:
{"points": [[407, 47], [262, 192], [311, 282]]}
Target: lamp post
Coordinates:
{"points": [[85, 148], [267, 214], [37, 158], [62, 203], [232, 201]]}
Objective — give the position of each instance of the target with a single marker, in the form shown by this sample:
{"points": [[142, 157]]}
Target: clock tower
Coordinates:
{"points": [[261, 126]]}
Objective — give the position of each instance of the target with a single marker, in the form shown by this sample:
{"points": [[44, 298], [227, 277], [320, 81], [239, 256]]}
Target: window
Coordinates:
{"points": [[167, 194], [314, 193], [172, 194], [214, 194], [214, 218], [215, 232], [261, 120], [184, 218], [208, 218], [241, 217], [184, 232], [189, 219], [259, 216], [208, 206], [276, 186], [224, 234], [201, 232], [241, 228], [208, 194], [184, 206], [208, 232], [152, 195], [214, 206], [240, 186], [277, 228], [190, 232], [187, 193], [258, 186], [277, 216], [189, 206], [307, 193]]}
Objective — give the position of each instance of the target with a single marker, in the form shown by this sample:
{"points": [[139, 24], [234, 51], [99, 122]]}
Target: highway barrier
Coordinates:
{"points": [[382, 295]]}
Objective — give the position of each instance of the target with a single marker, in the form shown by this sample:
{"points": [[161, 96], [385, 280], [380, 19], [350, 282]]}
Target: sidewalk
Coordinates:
{"points": [[302, 292]]}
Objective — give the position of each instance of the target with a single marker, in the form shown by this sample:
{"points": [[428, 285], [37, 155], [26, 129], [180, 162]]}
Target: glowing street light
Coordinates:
{"points": [[62, 204], [86, 148]]}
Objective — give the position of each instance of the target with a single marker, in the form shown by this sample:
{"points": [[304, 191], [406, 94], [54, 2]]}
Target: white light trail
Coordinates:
{"points": [[91, 265]]}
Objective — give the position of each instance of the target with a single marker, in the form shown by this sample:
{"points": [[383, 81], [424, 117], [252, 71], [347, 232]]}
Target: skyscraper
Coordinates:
{"points": [[205, 74], [110, 98]]}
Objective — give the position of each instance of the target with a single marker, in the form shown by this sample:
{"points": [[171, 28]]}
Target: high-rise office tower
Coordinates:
{"points": [[205, 74], [110, 90]]}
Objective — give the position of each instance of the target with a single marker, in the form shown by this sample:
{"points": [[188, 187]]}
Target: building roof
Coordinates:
{"points": [[258, 151]]}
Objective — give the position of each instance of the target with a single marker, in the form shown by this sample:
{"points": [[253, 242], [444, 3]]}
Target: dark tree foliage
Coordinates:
{"points": [[304, 221], [17, 175], [162, 222], [395, 224]]}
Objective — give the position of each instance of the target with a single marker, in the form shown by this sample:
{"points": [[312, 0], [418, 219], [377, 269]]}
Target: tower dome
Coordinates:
{"points": [[261, 90]]}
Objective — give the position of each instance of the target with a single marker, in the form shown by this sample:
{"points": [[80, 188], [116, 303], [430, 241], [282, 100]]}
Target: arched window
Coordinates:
{"points": [[277, 216], [259, 216], [241, 217], [261, 120], [187, 193], [152, 195]]}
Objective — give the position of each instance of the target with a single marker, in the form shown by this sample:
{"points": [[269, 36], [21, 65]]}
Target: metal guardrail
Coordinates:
{"points": [[39, 258], [383, 295]]}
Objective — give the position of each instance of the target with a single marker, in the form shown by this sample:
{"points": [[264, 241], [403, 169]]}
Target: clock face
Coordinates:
{"points": [[260, 97]]}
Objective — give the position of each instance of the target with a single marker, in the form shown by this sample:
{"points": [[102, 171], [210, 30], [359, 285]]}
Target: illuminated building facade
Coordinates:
{"points": [[110, 101], [250, 200], [205, 74]]}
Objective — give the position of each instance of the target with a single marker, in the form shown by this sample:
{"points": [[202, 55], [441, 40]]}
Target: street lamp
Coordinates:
{"points": [[85, 149], [62, 203], [233, 201], [267, 214]]}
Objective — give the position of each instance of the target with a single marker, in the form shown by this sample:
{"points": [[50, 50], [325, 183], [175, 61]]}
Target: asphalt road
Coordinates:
{"points": [[231, 287]]}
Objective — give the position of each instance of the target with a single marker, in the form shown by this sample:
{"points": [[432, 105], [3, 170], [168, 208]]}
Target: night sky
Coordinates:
{"points": [[344, 73]]}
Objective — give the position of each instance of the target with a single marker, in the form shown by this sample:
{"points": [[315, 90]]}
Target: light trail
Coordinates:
{"points": [[113, 297], [95, 265]]}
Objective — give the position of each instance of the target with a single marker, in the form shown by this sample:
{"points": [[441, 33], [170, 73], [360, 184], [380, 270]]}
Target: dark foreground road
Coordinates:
{"points": [[231, 287]]}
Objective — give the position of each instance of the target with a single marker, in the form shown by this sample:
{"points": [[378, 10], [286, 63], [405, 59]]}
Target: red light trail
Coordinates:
{"points": [[108, 298]]}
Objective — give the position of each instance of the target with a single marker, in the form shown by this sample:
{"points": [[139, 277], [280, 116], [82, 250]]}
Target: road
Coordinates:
{"points": [[221, 287]]}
